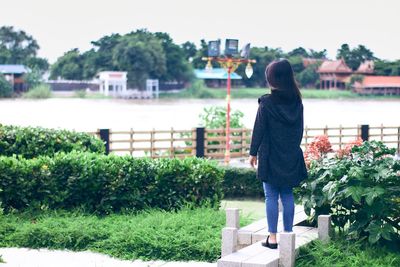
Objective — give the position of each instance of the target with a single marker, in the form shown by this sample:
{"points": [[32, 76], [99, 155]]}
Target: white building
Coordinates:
{"points": [[113, 82]]}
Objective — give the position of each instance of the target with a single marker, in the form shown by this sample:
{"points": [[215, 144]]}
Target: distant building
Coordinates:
{"points": [[14, 74], [378, 85], [113, 82], [366, 68], [334, 74], [217, 77]]}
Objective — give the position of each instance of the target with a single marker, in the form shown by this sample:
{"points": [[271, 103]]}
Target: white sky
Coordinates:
{"points": [[60, 25]]}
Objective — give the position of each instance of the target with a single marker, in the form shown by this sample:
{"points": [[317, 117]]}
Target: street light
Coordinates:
{"points": [[230, 61]]}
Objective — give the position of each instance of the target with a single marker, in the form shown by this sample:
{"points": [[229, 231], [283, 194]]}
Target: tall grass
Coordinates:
{"points": [[189, 234], [342, 253], [40, 91]]}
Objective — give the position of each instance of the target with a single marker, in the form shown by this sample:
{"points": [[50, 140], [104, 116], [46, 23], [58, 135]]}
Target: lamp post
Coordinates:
{"points": [[230, 62]]}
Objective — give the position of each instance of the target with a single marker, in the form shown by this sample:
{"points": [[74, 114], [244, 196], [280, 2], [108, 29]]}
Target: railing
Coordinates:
{"points": [[210, 143]]}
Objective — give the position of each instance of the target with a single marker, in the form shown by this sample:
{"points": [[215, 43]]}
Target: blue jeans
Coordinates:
{"points": [[272, 194]]}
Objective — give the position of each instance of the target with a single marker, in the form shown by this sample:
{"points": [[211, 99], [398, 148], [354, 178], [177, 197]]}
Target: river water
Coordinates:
{"points": [[116, 114]]}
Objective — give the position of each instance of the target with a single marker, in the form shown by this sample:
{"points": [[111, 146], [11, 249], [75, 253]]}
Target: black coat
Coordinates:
{"points": [[277, 134]]}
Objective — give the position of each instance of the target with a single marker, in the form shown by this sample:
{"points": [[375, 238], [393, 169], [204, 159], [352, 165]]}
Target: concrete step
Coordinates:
{"points": [[256, 255]]}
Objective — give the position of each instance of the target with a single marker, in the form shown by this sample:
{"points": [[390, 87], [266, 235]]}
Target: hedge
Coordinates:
{"points": [[31, 142], [242, 182], [100, 183]]}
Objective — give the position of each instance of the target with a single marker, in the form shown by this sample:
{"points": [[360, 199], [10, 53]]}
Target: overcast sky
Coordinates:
{"points": [[60, 25]]}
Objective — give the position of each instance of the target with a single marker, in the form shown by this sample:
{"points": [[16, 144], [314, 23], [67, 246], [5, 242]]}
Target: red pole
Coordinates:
{"points": [[228, 118]]}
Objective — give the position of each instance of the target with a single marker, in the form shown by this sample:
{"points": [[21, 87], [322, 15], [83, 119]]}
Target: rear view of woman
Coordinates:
{"points": [[277, 134]]}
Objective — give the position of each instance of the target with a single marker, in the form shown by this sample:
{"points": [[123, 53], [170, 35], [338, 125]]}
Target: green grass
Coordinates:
{"points": [[239, 93], [41, 91], [151, 235], [253, 209], [341, 253]]}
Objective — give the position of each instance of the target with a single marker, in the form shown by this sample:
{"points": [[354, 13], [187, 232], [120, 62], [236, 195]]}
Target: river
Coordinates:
{"points": [[117, 114]]}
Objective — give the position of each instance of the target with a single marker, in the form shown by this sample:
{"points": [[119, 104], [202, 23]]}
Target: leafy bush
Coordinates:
{"points": [[188, 234], [40, 91], [80, 93], [31, 142], [361, 190], [242, 182], [6, 89], [100, 183]]}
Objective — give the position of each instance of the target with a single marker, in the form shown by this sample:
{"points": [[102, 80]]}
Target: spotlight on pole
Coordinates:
{"points": [[214, 49], [231, 47]]}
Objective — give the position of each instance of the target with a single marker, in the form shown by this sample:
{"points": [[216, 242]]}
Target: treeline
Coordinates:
{"points": [[144, 55]]}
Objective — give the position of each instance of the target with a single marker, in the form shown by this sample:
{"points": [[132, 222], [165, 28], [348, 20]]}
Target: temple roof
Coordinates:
{"points": [[334, 66], [366, 67]]}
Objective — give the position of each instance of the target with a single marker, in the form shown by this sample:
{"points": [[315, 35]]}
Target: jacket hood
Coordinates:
{"points": [[283, 107]]}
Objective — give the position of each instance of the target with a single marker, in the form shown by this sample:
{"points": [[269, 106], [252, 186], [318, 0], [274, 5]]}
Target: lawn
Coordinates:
{"points": [[189, 234], [238, 93]]}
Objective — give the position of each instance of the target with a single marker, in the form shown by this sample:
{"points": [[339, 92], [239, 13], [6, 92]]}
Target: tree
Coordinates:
{"points": [[318, 54], [387, 68], [299, 51], [142, 55], [69, 66], [6, 89], [354, 57], [309, 76], [178, 68], [18, 47], [189, 49]]}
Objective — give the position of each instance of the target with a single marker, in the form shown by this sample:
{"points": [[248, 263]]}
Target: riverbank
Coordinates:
{"points": [[243, 93]]}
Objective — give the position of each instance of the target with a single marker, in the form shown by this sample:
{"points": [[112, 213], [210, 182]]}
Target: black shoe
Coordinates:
{"points": [[269, 245]]}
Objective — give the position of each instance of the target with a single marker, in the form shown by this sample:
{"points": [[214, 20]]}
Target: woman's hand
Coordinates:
{"points": [[253, 161]]}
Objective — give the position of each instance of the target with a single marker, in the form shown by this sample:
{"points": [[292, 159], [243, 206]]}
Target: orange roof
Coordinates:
{"points": [[381, 81], [335, 66], [366, 67], [310, 61]]}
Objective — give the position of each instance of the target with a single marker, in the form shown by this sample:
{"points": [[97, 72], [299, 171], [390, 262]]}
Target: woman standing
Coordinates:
{"points": [[277, 134]]}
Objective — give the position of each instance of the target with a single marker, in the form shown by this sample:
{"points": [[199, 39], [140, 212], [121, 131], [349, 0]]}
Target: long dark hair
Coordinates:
{"points": [[279, 75]]}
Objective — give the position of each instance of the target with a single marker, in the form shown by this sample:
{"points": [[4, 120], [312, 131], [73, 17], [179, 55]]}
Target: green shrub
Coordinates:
{"points": [[361, 190], [80, 93], [100, 183], [6, 89], [40, 91], [242, 182], [31, 142]]}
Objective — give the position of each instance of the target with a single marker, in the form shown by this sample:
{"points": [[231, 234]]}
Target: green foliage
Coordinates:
{"points": [[30, 142], [188, 234], [360, 190], [6, 89], [242, 182], [342, 253], [80, 93], [41, 91], [18, 47], [33, 78], [387, 68], [354, 57], [143, 54], [103, 184], [309, 76], [215, 117]]}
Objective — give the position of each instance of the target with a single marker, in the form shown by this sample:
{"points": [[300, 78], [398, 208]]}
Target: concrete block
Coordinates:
{"points": [[324, 227], [286, 247], [229, 240], [232, 218], [244, 237]]}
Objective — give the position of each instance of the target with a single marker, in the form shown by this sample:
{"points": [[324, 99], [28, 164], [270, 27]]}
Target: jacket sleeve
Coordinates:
{"points": [[258, 130]]}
